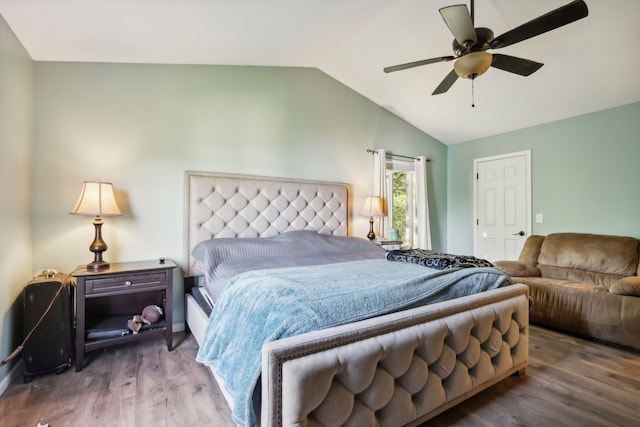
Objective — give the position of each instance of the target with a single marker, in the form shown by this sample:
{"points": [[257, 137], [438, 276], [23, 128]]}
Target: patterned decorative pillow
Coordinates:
{"points": [[437, 260]]}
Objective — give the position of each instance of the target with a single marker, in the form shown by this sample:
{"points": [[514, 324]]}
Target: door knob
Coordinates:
{"points": [[521, 233]]}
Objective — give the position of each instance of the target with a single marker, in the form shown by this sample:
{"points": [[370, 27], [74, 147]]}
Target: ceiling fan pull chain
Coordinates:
{"points": [[473, 94]]}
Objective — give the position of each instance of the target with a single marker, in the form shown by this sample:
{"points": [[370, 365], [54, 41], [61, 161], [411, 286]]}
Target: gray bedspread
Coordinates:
{"points": [[266, 305], [222, 259]]}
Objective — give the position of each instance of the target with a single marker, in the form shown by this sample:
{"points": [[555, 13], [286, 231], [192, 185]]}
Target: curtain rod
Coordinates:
{"points": [[369, 150]]}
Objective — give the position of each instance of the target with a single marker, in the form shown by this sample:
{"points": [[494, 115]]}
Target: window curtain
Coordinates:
{"points": [[422, 203], [379, 184]]}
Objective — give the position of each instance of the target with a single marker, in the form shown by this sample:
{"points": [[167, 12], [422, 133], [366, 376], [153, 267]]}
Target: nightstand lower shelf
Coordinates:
{"points": [[108, 331]]}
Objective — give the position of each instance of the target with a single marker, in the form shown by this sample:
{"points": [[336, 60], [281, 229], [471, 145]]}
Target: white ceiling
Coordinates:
{"points": [[590, 65]]}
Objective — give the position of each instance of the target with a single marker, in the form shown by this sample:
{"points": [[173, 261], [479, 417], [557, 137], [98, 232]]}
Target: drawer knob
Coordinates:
{"points": [[127, 283]]}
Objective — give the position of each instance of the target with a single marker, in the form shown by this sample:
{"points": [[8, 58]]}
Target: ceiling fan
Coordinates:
{"points": [[471, 44]]}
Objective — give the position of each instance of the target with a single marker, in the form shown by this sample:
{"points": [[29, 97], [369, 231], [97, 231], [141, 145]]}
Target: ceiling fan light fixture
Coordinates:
{"points": [[473, 64]]}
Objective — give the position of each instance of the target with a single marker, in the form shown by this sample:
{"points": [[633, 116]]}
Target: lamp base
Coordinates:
{"points": [[98, 246], [98, 265], [371, 235]]}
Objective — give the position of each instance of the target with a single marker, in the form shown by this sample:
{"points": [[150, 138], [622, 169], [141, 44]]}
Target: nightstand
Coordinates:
{"points": [[106, 299], [389, 245]]}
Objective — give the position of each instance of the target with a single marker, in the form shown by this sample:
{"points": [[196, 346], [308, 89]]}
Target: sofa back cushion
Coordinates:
{"points": [[589, 258]]}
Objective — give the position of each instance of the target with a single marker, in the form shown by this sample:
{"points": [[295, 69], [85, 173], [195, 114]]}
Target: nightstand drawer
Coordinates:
{"points": [[124, 282]]}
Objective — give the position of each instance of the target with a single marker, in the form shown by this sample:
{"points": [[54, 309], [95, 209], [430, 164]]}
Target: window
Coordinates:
{"points": [[401, 181], [401, 201]]}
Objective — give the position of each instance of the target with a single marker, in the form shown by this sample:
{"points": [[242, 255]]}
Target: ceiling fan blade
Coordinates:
{"points": [[549, 21], [459, 21], [418, 63], [523, 67], [446, 83]]}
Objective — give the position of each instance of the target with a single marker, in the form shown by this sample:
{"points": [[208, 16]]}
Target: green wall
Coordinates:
{"points": [[16, 146], [585, 175], [142, 126]]}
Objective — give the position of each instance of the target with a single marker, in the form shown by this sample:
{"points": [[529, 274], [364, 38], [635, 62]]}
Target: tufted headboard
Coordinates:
{"points": [[229, 205]]}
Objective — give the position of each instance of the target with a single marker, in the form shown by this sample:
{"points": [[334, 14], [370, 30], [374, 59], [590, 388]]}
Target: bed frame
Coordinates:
{"points": [[397, 369]]}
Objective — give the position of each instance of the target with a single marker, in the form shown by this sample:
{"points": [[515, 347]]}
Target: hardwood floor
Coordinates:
{"points": [[569, 382], [137, 385]]}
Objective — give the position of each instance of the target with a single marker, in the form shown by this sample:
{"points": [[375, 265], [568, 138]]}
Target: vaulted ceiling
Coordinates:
{"points": [[590, 64]]}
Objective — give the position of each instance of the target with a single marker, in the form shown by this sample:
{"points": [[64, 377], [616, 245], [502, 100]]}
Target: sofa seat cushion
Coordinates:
{"points": [[517, 268], [628, 286], [589, 258], [584, 309]]}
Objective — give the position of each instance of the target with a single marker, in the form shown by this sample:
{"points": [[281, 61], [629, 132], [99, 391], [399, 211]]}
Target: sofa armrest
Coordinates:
{"points": [[531, 250], [517, 269], [627, 286]]}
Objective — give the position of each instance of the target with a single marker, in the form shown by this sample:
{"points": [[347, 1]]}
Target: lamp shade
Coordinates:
{"points": [[372, 207], [96, 198]]}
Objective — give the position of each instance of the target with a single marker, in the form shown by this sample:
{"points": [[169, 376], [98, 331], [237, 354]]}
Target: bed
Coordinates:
{"points": [[396, 367]]}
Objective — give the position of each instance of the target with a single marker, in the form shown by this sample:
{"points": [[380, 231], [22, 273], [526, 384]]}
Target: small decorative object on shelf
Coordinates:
{"points": [[150, 314], [109, 301]]}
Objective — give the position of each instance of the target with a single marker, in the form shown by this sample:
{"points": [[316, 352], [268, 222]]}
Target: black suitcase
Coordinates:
{"points": [[49, 345]]}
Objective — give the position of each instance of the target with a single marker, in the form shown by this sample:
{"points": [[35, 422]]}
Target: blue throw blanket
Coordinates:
{"points": [[265, 305]]}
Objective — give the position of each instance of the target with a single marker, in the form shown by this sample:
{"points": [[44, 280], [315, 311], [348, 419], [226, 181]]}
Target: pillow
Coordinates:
{"points": [[223, 258], [627, 286], [292, 243]]}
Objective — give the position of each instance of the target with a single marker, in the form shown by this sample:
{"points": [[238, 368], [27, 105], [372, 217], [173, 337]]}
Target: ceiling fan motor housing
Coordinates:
{"points": [[484, 36]]}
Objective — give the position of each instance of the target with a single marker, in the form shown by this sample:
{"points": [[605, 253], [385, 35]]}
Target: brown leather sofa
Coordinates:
{"points": [[585, 284]]}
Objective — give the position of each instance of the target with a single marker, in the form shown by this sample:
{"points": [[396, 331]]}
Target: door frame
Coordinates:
{"points": [[528, 210]]}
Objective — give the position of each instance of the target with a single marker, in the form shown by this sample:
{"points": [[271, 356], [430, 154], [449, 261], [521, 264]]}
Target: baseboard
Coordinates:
{"points": [[178, 327], [13, 373]]}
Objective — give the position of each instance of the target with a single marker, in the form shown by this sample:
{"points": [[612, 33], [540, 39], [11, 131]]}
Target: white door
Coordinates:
{"points": [[502, 205]]}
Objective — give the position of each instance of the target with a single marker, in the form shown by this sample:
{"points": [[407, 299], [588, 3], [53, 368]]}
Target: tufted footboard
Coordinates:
{"points": [[398, 369]]}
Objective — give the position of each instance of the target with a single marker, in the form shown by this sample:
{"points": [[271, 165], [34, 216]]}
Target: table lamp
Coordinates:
{"points": [[372, 207], [96, 198]]}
